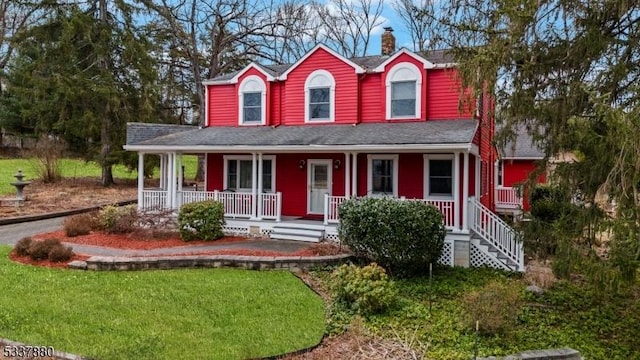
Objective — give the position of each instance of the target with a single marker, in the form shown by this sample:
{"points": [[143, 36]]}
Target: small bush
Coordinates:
{"points": [[366, 290], [201, 220], [22, 246], [401, 236], [60, 253], [77, 225], [118, 219], [495, 307], [39, 250]]}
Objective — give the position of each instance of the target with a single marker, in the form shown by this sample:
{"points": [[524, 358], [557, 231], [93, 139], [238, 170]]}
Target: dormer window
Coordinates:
{"points": [[404, 84], [252, 100], [319, 90]]}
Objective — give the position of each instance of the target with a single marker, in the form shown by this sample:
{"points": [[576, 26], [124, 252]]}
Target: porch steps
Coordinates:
{"points": [[493, 252], [300, 232]]}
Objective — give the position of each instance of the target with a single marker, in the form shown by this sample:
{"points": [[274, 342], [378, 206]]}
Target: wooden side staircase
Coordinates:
{"points": [[493, 241]]}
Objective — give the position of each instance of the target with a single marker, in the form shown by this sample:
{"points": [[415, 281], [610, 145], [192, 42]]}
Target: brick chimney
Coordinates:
{"points": [[388, 42]]}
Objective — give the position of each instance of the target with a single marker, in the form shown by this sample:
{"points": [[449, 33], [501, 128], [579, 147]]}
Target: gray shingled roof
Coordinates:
{"points": [[367, 62], [384, 133], [138, 132], [523, 147]]}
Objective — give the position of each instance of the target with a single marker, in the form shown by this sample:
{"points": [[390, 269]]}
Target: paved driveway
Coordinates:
{"points": [[10, 234]]}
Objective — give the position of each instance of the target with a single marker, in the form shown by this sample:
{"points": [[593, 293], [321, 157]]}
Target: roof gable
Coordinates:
{"points": [[236, 76], [358, 69], [425, 63]]}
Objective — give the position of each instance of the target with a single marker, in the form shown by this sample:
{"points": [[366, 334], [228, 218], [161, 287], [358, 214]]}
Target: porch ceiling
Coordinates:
{"points": [[418, 135]]}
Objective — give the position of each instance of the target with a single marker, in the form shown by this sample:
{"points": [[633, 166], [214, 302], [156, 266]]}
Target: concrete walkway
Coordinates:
{"points": [[10, 234]]}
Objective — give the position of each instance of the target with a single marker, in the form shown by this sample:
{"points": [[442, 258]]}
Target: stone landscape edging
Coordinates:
{"points": [[102, 263], [51, 215]]}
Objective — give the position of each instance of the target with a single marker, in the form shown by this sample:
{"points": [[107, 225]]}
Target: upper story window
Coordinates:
{"points": [[252, 101], [319, 94], [404, 84]]}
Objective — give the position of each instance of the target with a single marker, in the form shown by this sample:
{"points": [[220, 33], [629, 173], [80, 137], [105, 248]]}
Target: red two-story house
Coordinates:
{"points": [[285, 145]]}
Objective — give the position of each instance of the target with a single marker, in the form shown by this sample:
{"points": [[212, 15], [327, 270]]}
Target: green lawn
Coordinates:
{"points": [[567, 315], [73, 168], [168, 314]]}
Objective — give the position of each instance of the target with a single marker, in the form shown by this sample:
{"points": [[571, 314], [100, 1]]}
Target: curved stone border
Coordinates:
{"points": [[51, 215], [208, 261]]}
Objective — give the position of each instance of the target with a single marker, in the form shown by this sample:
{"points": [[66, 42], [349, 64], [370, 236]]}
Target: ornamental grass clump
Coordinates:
{"points": [[366, 290], [202, 220], [494, 308], [400, 235]]}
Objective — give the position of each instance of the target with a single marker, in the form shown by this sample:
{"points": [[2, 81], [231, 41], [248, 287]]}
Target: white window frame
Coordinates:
{"points": [[252, 84], [402, 72], [226, 158], [427, 172], [394, 178], [320, 79]]}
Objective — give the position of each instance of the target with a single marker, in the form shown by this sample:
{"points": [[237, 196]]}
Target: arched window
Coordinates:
{"points": [[252, 100], [319, 95], [404, 85]]}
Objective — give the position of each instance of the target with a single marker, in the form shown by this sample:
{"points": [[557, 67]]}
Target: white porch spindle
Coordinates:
{"points": [[260, 185], [456, 189], [180, 181], [326, 209], [347, 169], [465, 191], [140, 180]]}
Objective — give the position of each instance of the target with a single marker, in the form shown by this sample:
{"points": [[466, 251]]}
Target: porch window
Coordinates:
{"points": [[319, 93], [383, 175], [403, 85], [239, 174], [252, 95], [441, 177]]}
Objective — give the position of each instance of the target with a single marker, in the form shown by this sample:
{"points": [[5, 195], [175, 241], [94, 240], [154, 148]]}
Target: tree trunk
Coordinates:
{"points": [[105, 132]]}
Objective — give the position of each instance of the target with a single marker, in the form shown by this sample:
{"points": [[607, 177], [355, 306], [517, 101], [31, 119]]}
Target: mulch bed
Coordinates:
{"points": [[46, 263]]}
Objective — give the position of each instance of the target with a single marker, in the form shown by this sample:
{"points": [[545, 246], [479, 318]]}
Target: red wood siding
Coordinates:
{"points": [[346, 103], [516, 172], [372, 106], [443, 96], [411, 176], [400, 59], [275, 101], [215, 172], [223, 105]]}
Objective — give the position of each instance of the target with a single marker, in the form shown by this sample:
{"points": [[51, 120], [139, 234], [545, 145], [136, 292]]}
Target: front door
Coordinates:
{"points": [[319, 184]]}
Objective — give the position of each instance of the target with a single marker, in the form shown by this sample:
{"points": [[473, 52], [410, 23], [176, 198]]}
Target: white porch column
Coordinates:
{"points": [[478, 178], [347, 179], [171, 182], [465, 191], [254, 190], [456, 189], [163, 171], [140, 180], [180, 180], [260, 187], [354, 175]]}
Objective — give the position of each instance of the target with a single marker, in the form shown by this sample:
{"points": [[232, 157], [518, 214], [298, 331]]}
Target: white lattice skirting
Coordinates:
{"points": [[478, 258], [235, 230], [447, 254]]}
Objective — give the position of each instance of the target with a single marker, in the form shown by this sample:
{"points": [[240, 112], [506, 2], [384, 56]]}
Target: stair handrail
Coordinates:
{"points": [[497, 232]]}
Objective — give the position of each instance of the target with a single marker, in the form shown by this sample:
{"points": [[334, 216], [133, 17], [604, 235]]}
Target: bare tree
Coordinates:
{"points": [[419, 19], [348, 24]]}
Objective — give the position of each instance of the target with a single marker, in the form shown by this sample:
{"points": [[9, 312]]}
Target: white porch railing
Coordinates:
{"points": [[508, 198], [271, 206], [236, 204], [154, 199], [331, 204], [446, 207], [496, 231]]}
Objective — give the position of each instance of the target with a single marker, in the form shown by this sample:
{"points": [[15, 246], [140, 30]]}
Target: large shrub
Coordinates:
{"points": [[118, 219], [201, 220], [366, 290], [76, 225], [402, 236]]}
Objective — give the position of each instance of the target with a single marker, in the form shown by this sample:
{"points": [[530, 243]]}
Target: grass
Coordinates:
{"points": [[73, 168], [168, 314], [567, 315]]}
